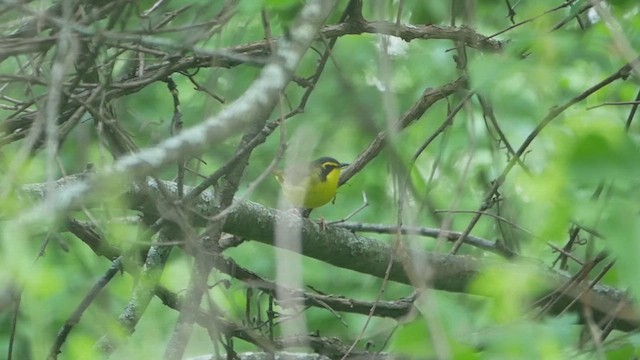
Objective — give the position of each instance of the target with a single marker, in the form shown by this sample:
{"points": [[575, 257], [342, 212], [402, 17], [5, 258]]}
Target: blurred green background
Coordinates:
{"points": [[363, 89]]}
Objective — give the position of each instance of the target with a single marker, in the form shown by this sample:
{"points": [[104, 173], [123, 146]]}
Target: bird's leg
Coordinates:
{"points": [[322, 223], [304, 212]]}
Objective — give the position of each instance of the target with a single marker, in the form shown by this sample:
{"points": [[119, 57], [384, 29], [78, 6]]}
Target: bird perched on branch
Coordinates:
{"points": [[310, 186]]}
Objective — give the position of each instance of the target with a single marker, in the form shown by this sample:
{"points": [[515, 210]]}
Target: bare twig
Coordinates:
{"points": [[622, 73], [84, 304]]}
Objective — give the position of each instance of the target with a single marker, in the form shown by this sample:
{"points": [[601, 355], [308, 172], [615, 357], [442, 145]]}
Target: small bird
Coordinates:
{"points": [[309, 187]]}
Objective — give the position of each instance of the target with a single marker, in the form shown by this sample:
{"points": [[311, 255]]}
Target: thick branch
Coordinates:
{"points": [[411, 32], [344, 249]]}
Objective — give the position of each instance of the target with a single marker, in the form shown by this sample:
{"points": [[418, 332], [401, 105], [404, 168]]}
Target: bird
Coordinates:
{"points": [[311, 186]]}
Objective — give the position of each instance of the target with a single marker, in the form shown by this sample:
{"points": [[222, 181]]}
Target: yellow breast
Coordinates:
{"points": [[313, 192]]}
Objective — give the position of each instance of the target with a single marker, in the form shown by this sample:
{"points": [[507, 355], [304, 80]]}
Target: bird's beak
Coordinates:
{"points": [[343, 165]]}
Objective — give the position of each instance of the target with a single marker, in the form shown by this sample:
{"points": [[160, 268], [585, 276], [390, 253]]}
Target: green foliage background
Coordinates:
{"points": [[583, 148]]}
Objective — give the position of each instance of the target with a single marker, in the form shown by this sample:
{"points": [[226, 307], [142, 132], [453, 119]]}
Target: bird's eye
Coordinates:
{"points": [[328, 166]]}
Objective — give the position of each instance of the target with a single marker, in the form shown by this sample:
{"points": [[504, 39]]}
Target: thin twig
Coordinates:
{"points": [[428, 232], [622, 73], [116, 266]]}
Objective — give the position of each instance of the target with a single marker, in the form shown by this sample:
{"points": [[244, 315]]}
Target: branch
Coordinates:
{"points": [[86, 232], [344, 249], [411, 32], [429, 97], [454, 273], [622, 74], [77, 313], [255, 104], [253, 53], [448, 235], [142, 293]]}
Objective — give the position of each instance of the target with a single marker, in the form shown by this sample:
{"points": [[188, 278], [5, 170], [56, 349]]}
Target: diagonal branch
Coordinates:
{"points": [[255, 104], [429, 97], [622, 74]]}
